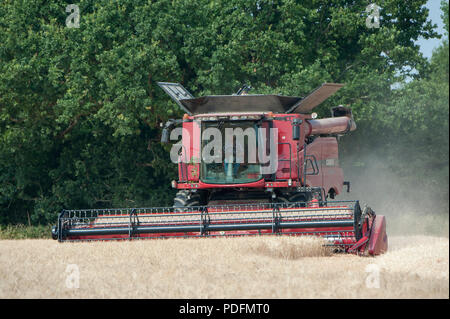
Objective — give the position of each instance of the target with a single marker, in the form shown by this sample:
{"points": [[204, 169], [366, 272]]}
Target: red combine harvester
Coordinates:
{"points": [[280, 186]]}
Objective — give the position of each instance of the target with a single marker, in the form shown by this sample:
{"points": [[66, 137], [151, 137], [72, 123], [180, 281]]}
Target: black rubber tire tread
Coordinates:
{"points": [[298, 197], [282, 200], [185, 199]]}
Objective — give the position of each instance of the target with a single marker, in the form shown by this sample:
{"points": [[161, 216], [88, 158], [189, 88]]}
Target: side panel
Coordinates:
{"points": [[313, 150], [332, 174], [378, 242], [287, 150], [188, 165], [288, 154], [325, 150]]}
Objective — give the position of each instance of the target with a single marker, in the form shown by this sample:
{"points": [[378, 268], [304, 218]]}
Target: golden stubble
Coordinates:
{"points": [[257, 267]]}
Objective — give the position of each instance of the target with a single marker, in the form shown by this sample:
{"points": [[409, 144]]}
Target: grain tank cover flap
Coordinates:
{"points": [[240, 103], [315, 98], [177, 92]]}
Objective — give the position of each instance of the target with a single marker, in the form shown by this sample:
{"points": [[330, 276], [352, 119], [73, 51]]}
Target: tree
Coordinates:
{"points": [[418, 118], [80, 109], [408, 138]]}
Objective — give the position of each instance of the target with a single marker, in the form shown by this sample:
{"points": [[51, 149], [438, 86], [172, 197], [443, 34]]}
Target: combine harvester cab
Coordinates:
{"points": [[287, 193]]}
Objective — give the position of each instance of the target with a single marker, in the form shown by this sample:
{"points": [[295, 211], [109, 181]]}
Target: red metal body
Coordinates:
{"points": [[335, 222], [323, 149], [307, 165], [378, 242]]}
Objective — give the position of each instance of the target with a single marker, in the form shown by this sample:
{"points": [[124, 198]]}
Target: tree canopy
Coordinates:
{"points": [[80, 108]]}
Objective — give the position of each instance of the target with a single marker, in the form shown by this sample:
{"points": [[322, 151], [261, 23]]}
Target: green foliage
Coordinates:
{"points": [[444, 16], [410, 132], [80, 108], [21, 231], [418, 118]]}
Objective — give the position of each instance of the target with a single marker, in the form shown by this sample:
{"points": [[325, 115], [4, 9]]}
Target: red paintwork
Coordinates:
{"points": [[344, 236], [360, 243], [334, 125], [301, 231], [378, 242], [330, 178], [345, 232], [257, 184], [323, 148]]}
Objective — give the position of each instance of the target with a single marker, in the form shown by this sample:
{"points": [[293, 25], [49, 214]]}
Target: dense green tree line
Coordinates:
{"points": [[80, 108], [415, 128]]}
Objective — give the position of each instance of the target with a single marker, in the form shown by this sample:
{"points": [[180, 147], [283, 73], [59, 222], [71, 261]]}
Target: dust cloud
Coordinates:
{"points": [[410, 208]]}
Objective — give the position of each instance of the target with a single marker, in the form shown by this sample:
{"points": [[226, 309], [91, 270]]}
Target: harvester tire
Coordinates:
{"points": [[283, 201], [299, 197], [186, 199]]}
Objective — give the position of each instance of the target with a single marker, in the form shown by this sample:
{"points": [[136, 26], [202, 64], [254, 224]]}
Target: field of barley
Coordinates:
{"points": [[264, 267]]}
